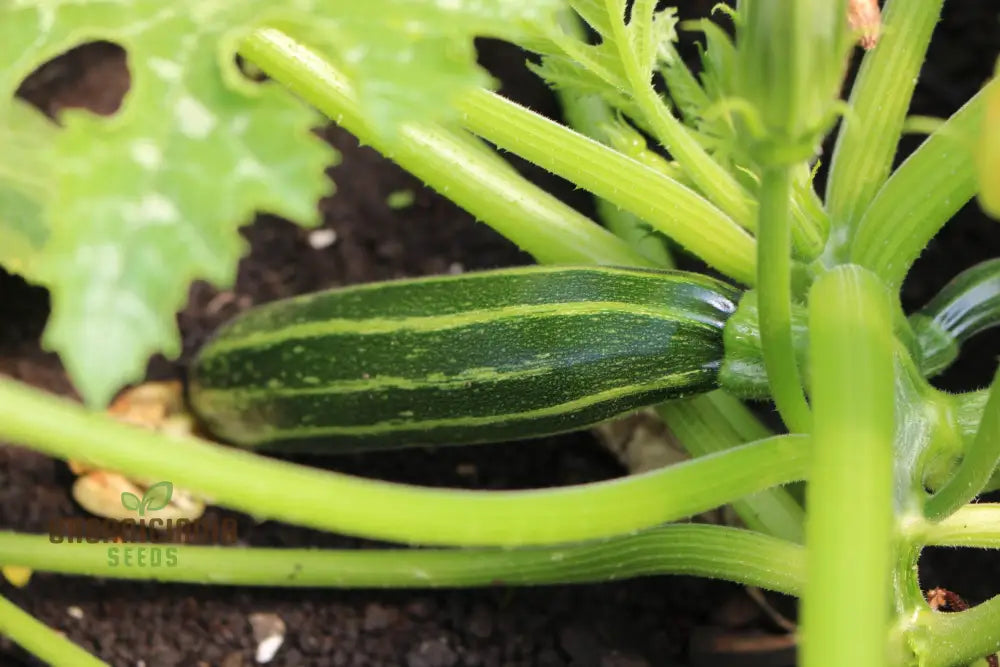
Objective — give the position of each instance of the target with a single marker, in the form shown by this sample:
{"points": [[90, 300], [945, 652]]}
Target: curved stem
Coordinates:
{"points": [[775, 286], [716, 422], [268, 488], [978, 462], [42, 641], [488, 188], [703, 550], [968, 305], [849, 536], [946, 639]]}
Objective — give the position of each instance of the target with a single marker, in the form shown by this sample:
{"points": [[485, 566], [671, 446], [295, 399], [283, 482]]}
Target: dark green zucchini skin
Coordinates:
{"points": [[474, 358]]}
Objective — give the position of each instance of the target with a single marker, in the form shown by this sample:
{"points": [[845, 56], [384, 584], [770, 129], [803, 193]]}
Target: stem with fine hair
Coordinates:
{"points": [[668, 206], [946, 639], [774, 279], [708, 175], [41, 640], [718, 552], [665, 204], [976, 525], [715, 422], [849, 537], [589, 114], [978, 462], [869, 134], [342, 503], [488, 188], [923, 194]]}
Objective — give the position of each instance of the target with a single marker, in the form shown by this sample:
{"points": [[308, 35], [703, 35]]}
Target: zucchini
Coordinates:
{"points": [[480, 357]]}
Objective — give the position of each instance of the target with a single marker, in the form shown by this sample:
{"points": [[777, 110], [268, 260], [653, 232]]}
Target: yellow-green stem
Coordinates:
{"points": [[774, 279], [849, 537]]}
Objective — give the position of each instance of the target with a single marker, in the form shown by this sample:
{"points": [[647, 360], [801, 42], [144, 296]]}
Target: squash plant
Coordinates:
{"points": [[116, 215]]}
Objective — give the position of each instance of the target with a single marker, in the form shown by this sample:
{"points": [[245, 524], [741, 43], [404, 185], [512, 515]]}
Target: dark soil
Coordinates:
{"points": [[656, 621]]}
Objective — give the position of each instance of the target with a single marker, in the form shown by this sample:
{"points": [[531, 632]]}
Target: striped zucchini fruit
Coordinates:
{"points": [[480, 357]]}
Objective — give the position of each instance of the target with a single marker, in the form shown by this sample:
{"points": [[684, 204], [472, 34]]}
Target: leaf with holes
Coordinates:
{"points": [[150, 199]]}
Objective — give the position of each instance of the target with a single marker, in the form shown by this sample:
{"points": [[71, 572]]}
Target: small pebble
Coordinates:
{"points": [[269, 633], [322, 238]]}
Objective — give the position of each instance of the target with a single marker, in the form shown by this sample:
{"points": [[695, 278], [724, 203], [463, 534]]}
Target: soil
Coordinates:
{"points": [[654, 621]]}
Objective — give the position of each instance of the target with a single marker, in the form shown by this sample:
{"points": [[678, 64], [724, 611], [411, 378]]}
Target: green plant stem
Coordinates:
{"points": [[668, 206], [434, 154], [924, 193], [708, 175], [272, 489], [774, 279], [948, 639], [547, 228], [708, 551], [978, 462], [975, 525], [40, 640], [968, 305], [810, 223], [879, 100], [849, 537], [589, 114], [715, 422]]}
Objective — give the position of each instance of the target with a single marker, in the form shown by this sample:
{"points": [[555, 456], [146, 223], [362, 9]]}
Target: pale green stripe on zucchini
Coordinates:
{"points": [[481, 357]]}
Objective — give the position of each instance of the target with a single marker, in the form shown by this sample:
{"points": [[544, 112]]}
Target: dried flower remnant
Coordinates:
{"points": [[865, 19]]}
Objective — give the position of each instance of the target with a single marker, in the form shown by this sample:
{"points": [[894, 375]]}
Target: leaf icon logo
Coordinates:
{"points": [[156, 498], [130, 501]]}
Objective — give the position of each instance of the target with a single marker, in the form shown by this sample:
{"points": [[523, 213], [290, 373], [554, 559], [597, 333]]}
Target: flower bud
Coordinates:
{"points": [[791, 59]]}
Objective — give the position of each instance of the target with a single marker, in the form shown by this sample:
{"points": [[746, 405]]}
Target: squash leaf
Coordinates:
{"points": [[117, 215]]}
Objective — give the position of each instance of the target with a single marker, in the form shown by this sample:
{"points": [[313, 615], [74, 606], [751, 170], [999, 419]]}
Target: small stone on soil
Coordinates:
{"points": [[322, 238], [269, 633]]}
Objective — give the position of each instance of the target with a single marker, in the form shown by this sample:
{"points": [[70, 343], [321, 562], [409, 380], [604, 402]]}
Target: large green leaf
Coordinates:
{"points": [[132, 208], [26, 144]]}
